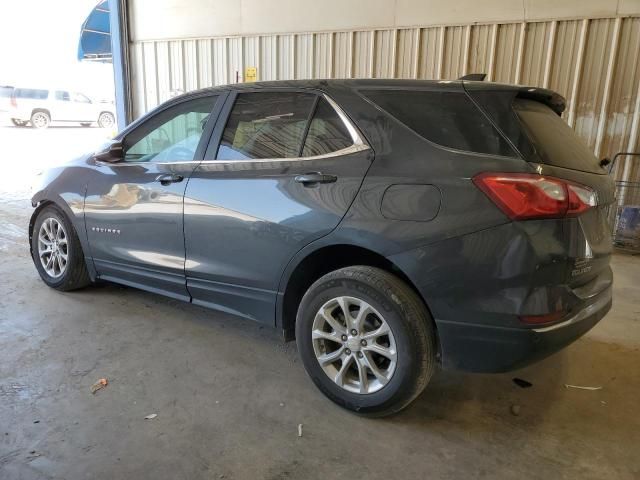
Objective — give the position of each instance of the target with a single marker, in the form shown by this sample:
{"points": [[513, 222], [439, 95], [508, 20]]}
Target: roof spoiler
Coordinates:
{"points": [[553, 100], [474, 77]]}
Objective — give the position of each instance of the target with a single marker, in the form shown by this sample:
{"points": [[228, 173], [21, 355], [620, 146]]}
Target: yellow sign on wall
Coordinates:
{"points": [[250, 74]]}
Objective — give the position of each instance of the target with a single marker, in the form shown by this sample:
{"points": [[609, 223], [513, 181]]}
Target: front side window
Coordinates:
{"points": [[80, 98], [62, 96], [446, 118], [327, 132], [266, 125], [172, 135]]}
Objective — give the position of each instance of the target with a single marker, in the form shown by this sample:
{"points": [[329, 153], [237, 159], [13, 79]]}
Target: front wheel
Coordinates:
{"points": [[18, 123], [56, 251], [366, 340]]}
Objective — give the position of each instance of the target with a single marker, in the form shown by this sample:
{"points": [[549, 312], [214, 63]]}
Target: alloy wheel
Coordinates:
{"points": [[39, 120], [354, 345], [53, 248], [106, 120]]}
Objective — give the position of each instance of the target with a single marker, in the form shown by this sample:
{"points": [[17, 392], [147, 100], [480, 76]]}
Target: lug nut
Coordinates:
{"points": [[354, 332], [360, 355], [347, 351], [363, 343], [344, 338]]}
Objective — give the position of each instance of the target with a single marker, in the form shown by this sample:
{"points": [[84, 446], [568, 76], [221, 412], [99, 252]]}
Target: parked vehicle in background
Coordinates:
{"points": [[5, 99], [386, 225], [40, 107]]}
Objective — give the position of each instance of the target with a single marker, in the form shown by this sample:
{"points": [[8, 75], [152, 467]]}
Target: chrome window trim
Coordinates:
{"points": [[358, 145]]}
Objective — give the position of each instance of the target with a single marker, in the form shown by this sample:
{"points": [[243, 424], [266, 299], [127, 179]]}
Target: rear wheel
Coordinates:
{"points": [[56, 251], [106, 120], [40, 120], [366, 340]]}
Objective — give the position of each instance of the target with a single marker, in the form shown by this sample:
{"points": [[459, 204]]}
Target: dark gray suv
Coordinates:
{"points": [[386, 225]]}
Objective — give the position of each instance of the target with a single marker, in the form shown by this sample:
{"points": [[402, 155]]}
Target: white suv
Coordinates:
{"points": [[40, 107]]}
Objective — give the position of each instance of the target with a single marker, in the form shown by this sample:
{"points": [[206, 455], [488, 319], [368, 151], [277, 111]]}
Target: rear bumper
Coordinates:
{"points": [[490, 349]]}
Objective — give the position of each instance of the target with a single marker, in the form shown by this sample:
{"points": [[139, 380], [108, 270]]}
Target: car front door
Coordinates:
{"points": [[83, 108], [288, 166], [134, 207]]}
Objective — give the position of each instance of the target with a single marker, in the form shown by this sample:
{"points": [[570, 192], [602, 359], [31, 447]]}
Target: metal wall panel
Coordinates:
{"points": [[363, 54], [590, 96], [507, 52], [625, 91], [535, 53], [342, 54], [406, 53], [431, 52], [594, 63], [481, 48], [454, 52], [564, 60]]}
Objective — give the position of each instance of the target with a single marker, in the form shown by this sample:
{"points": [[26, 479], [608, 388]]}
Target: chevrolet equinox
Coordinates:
{"points": [[385, 225]]}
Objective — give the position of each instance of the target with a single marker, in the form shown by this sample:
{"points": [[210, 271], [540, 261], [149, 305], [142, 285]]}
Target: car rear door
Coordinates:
{"points": [[281, 171], [134, 208], [61, 107]]}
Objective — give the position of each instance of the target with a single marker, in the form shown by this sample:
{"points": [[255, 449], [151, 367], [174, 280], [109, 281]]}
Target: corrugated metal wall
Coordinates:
{"points": [[594, 63]]}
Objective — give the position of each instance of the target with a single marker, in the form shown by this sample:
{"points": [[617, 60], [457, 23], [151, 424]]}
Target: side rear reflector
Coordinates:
{"points": [[523, 196], [542, 319]]}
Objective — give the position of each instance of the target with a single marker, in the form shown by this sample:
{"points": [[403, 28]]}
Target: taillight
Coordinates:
{"points": [[523, 196], [13, 101]]}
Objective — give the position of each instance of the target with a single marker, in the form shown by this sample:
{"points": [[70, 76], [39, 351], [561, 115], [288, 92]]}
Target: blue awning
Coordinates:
{"points": [[95, 35]]}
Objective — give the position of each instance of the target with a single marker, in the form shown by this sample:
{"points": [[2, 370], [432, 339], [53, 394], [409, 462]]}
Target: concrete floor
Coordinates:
{"points": [[229, 395]]}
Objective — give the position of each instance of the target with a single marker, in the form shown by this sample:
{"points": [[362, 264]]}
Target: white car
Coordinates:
{"points": [[40, 107]]}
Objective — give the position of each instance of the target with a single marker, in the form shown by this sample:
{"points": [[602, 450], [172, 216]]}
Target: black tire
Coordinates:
{"points": [[410, 323], [40, 120], [75, 275], [85, 124], [18, 123]]}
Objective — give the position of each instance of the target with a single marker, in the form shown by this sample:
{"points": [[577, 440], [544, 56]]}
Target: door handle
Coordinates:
{"points": [[169, 178], [314, 178]]}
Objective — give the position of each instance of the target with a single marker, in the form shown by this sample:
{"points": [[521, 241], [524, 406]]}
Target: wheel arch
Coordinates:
{"points": [[41, 201], [102, 112], [313, 265], [39, 109]]}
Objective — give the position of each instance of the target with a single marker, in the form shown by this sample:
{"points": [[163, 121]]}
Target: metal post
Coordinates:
{"points": [[120, 55]]}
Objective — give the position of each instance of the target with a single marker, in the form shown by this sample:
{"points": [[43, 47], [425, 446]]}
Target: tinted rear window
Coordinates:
{"points": [[554, 141], [31, 93], [449, 119]]}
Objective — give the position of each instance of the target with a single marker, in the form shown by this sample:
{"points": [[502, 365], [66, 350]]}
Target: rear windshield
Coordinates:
{"points": [[449, 119], [31, 93], [554, 141]]}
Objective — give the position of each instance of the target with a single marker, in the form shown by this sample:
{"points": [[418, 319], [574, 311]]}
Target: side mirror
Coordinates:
{"points": [[111, 154]]}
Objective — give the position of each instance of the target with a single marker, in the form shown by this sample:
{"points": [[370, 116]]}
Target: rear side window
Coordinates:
{"points": [[449, 119], [6, 92], [266, 125], [31, 93], [556, 143], [327, 132]]}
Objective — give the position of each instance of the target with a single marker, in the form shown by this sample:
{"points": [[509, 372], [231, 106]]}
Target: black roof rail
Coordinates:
{"points": [[476, 77]]}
